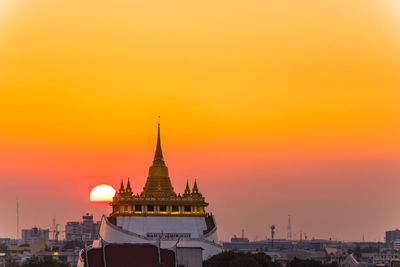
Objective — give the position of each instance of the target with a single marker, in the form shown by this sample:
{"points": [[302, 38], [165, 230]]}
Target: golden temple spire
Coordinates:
{"points": [[187, 189], [195, 190], [128, 187], [121, 188]]}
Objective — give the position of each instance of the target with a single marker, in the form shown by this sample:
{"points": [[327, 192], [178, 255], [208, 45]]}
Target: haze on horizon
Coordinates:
{"points": [[277, 107]]}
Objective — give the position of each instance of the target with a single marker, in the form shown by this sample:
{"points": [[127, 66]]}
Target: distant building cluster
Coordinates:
{"points": [[37, 242], [345, 254]]}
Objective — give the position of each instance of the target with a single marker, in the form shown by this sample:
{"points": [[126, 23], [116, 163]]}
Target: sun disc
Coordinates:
{"points": [[102, 193]]}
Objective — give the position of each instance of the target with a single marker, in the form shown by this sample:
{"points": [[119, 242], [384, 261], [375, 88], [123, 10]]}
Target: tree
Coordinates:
{"points": [[45, 262], [309, 263], [238, 259], [11, 263]]}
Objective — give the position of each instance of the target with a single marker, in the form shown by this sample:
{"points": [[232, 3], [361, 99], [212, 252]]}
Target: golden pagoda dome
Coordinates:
{"points": [[158, 197], [158, 183]]}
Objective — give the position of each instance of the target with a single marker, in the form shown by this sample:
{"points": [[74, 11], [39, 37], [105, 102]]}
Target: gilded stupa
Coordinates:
{"points": [[158, 183], [158, 197]]}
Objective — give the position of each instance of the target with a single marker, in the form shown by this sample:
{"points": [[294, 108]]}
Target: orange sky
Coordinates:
{"points": [[278, 107]]}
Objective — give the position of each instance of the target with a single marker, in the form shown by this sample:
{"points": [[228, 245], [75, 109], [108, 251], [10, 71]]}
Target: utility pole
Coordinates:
{"points": [[17, 219], [301, 240]]}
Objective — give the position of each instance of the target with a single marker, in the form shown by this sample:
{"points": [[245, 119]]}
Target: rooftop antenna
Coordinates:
{"points": [[242, 233], [289, 229]]}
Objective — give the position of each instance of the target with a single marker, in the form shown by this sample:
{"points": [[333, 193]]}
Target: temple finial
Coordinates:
{"points": [[187, 189], [121, 188], [195, 190], [128, 187], [158, 155]]}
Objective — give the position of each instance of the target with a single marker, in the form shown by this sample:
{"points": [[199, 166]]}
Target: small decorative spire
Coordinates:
{"points": [[121, 188], [128, 187], [187, 189], [195, 190]]}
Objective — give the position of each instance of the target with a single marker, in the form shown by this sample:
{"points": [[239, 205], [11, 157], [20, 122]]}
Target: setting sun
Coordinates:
{"points": [[102, 193]]}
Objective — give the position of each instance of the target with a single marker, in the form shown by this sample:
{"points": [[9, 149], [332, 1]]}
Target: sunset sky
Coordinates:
{"points": [[277, 107]]}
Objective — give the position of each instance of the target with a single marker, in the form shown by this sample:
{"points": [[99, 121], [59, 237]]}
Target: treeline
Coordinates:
{"points": [[240, 259], [36, 262], [223, 259]]}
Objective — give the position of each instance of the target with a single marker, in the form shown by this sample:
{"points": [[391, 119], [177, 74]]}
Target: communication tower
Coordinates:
{"points": [[289, 229]]}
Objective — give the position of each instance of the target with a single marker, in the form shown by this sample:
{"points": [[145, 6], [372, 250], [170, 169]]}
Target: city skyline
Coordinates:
{"points": [[276, 108], [103, 208]]}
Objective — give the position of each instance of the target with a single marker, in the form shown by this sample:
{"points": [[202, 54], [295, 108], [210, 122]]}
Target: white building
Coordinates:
{"points": [[396, 244], [385, 258]]}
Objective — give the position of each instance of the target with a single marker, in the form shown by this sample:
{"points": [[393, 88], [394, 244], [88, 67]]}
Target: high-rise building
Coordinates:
{"points": [[87, 230], [392, 236], [32, 235]]}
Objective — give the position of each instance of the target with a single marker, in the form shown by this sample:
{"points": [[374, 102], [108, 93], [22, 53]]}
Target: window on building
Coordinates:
{"points": [[188, 208], [150, 207], [175, 208], [138, 207], [163, 208]]}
